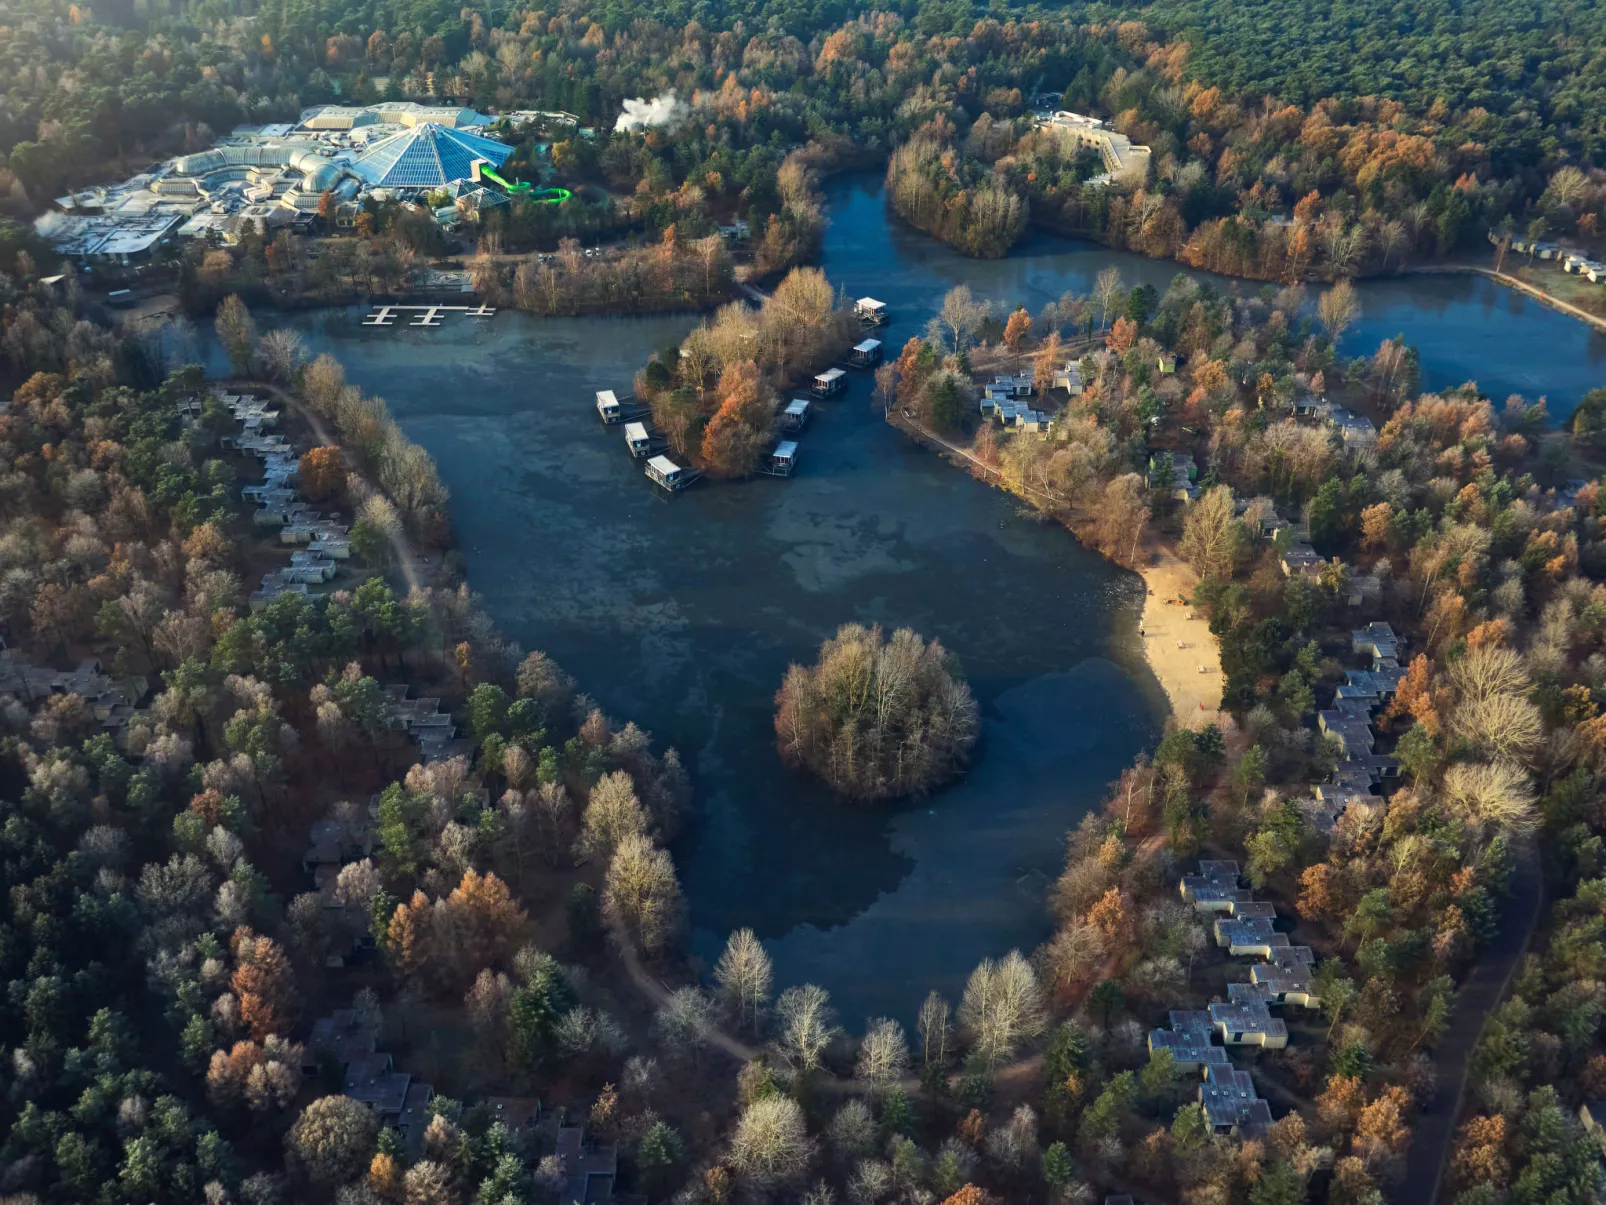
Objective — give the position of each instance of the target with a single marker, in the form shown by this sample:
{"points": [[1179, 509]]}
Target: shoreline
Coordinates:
{"points": [[1511, 282], [1181, 654]]}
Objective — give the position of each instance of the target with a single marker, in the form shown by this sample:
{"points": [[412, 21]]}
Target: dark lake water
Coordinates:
{"points": [[684, 615], [1465, 328]]}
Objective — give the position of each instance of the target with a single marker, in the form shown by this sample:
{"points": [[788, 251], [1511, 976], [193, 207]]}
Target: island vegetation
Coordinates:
{"points": [[877, 718], [715, 395]]}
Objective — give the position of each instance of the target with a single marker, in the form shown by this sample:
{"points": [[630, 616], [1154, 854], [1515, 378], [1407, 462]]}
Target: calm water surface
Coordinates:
{"points": [[683, 615], [1465, 328]]}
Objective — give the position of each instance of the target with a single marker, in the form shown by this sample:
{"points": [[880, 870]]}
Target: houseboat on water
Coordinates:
{"points": [[831, 381], [866, 354], [796, 415], [637, 439], [870, 311], [664, 472], [784, 459], [608, 406]]}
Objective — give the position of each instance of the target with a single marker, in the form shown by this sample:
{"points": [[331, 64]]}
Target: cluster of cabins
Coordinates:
{"points": [[1592, 270], [1184, 483], [112, 702], [318, 542], [1199, 1039], [1353, 430], [397, 1098], [401, 1100], [1361, 770], [350, 1040], [425, 722], [1008, 399]]}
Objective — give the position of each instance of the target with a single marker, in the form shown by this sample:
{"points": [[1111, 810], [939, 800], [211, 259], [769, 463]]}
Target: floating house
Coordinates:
{"points": [[608, 406], [637, 439], [796, 415], [665, 472], [829, 382], [866, 354], [870, 311], [784, 459]]}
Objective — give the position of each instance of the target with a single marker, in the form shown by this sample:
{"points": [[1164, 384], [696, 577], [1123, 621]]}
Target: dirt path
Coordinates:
{"points": [[1434, 1130]]}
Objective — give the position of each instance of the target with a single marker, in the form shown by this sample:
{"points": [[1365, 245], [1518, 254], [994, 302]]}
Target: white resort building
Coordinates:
{"points": [[1125, 162]]}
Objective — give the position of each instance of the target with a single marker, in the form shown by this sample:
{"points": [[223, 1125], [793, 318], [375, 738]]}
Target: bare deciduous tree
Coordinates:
{"points": [[1495, 796], [1002, 1007], [771, 1146], [1212, 536], [883, 1055], [1107, 290], [282, 353], [744, 976], [936, 1028], [806, 1025], [682, 1024], [1337, 309], [641, 898], [612, 813]]}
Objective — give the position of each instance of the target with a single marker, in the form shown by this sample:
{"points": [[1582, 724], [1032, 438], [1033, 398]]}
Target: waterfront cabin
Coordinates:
{"points": [[607, 406], [637, 439], [784, 459], [796, 415], [866, 354], [829, 382], [870, 311], [665, 472]]}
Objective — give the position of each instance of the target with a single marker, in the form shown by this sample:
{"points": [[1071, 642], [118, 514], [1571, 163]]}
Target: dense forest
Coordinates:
{"points": [[265, 851], [1346, 142]]}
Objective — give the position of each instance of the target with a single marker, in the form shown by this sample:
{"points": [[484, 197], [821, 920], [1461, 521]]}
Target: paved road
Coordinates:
{"points": [[1435, 1128]]}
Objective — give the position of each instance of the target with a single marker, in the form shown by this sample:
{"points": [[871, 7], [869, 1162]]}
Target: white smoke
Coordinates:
{"points": [[639, 114]]}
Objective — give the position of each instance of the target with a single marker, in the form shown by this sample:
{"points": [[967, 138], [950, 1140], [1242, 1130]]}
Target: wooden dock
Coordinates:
{"points": [[426, 315]]}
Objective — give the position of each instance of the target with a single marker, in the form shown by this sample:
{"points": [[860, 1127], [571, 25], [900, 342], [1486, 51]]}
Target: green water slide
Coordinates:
{"points": [[541, 196]]}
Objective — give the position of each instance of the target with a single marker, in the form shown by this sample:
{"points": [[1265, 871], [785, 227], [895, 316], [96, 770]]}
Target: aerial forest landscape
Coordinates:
{"points": [[759, 602]]}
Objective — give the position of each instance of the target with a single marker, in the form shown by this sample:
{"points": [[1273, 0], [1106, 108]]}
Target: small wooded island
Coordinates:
{"points": [[877, 718]]}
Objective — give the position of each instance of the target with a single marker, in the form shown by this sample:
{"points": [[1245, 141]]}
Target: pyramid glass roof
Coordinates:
{"points": [[428, 156]]}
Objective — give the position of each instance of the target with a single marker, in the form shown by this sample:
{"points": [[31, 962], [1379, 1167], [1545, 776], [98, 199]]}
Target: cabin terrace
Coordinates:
{"points": [[1230, 1104], [1190, 1041]]}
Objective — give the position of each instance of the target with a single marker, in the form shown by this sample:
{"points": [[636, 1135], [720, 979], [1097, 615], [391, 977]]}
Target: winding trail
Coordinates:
{"points": [[1434, 1130]]}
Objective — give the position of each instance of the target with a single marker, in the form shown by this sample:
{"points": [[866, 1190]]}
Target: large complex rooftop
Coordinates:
{"points": [[430, 156], [260, 178]]}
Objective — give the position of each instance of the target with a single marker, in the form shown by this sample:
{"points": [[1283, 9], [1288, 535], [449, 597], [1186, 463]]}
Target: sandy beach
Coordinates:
{"points": [[1178, 643]]}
